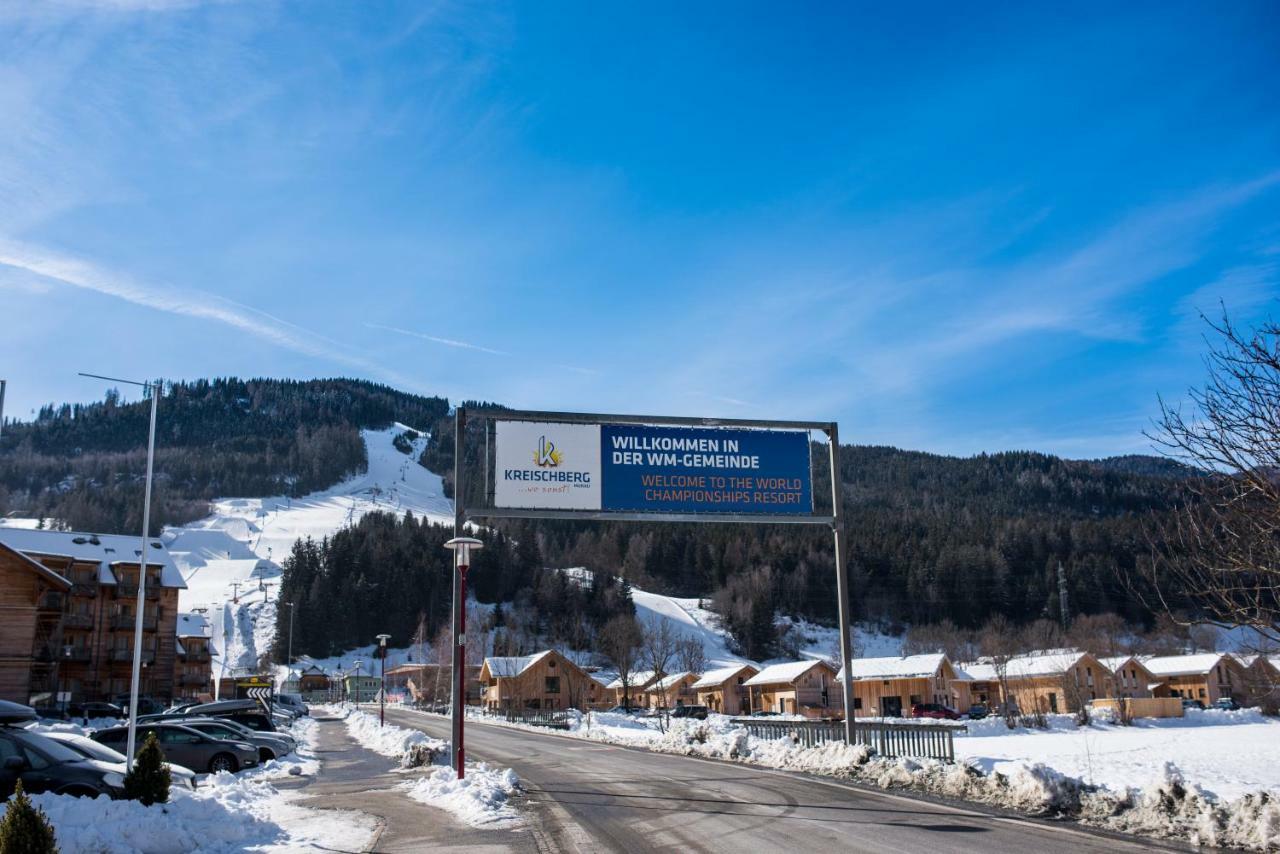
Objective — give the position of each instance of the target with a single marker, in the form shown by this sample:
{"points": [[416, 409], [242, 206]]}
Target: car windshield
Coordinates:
{"points": [[52, 750], [92, 749], [214, 729]]}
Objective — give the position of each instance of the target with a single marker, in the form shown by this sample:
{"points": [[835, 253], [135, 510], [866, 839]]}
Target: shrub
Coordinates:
{"points": [[149, 781], [24, 828]]}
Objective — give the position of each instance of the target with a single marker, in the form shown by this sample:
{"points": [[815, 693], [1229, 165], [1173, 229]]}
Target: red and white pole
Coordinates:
{"points": [[461, 547]]}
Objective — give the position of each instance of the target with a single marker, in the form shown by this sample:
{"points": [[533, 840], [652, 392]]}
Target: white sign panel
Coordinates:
{"points": [[540, 465]]}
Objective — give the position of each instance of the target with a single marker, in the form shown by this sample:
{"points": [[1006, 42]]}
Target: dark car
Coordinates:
{"points": [[186, 746], [934, 710], [146, 705], [95, 710], [44, 765], [1190, 703], [183, 778], [1226, 704], [978, 711], [697, 712]]}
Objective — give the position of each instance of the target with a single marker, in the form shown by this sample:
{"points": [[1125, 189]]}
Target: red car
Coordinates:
{"points": [[934, 710]]}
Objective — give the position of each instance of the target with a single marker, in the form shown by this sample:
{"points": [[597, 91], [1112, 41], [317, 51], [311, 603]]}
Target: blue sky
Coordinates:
{"points": [[950, 228]]}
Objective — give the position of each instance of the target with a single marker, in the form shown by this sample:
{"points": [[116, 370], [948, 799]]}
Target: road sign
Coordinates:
{"points": [[651, 468], [259, 693]]}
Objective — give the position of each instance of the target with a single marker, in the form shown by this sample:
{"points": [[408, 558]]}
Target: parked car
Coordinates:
{"points": [[978, 711], [182, 777], [934, 710], [44, 765], [627, 710], [1190, 703], [697, 712], [1226, 704], [294, 703], [187, 746], [270, 745], [146, 705], [95, 710]]}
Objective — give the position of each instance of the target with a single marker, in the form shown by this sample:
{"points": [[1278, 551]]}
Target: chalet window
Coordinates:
{"points": [[1053, 702], [552, 685], [857, 703]]}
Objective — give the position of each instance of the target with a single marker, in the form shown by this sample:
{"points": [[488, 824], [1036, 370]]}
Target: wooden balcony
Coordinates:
{"points": [[126, 590], [51, 600], [77, 621], [192, 680], [84, 588], [195, 655], [117, 655], [79, 654], [125, 622]]}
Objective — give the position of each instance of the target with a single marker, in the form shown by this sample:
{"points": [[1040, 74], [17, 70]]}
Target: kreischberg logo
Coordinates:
{"points": [[546, 454]]}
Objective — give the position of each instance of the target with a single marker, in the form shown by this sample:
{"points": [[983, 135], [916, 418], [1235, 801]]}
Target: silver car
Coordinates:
{"points": [[271, 745]]}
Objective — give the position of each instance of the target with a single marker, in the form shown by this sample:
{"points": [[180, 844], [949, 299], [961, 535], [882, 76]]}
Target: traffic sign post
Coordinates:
{"points": [[565, 465]]}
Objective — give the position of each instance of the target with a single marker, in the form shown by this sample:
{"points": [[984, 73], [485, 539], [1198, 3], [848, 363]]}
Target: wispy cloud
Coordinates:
{"points": [[448, 342], [78, 273]]}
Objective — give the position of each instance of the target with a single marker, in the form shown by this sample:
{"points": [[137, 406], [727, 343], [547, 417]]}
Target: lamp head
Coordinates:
{"points": [[463, 546]]}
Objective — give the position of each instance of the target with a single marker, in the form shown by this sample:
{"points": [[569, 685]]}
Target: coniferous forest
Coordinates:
{"points": [[929, 537]]}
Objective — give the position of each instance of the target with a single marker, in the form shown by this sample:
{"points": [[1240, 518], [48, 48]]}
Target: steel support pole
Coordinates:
{"points": [[2, 385], [142, 581], [382, 696], [842, 580], [457, 710]]}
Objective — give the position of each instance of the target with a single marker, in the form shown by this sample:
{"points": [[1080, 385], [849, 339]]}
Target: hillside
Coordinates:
{"points": [[930, 537], [83, 464]]}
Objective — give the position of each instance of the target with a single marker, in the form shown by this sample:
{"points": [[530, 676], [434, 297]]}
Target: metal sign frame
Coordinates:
{"points": [[834, 521]]}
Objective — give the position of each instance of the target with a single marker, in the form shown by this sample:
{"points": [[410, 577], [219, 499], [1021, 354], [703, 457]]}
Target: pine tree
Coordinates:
{"points": [[25, 829], [149, 781]]}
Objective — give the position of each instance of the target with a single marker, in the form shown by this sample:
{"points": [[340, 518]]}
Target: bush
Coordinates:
{"points": [[149, 781], [24, 828]]}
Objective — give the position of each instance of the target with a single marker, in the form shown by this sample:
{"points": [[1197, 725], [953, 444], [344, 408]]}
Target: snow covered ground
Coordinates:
{"points": [[1211, 778], [245, 540], [480, 798]]}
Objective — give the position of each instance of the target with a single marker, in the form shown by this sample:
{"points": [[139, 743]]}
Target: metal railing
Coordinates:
{"points": [[195, 655], [84, 588], [126, 622], [51, 600], [77, 621], [534, 717], [148, 656], [931, 741]]}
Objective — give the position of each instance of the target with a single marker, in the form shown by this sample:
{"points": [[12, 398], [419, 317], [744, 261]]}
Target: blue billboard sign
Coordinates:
{"points": [[704, 470]]}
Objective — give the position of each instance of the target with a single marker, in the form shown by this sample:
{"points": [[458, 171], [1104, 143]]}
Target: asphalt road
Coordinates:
{"points": [[586, 796]]}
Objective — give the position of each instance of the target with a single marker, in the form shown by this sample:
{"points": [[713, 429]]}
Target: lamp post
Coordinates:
{"points": [[154, 388], [462, 547], [382, 697], [289, 655], [359, 664], [66, 658]]}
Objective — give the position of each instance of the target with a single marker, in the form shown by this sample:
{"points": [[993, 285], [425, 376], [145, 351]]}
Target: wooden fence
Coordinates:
{"points": [[932, 741]]}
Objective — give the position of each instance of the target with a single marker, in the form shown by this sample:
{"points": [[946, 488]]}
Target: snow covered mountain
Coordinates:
{"points": [[231, 559]]}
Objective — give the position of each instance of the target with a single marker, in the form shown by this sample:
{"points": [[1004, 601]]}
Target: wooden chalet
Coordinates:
{"points": [[889, 687], [724, 690], [545, 680], [805, 688]]}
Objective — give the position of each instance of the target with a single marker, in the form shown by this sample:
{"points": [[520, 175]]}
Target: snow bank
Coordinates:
{"points": [[303, 761], [412, 747], [229, 814], [479, 799]]}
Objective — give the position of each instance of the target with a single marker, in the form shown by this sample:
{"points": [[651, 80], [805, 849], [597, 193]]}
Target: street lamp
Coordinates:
{"points": [[359, 664], [66, 656], [382, 699], [289, 656], [462, 548], [154, 388]]}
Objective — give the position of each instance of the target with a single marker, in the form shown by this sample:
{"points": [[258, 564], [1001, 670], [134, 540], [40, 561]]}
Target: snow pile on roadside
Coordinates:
{"points": [[479, 799], [995, 725], [412, 747], [1218, 717], [229, 814], [303, 761], [74, 727]]}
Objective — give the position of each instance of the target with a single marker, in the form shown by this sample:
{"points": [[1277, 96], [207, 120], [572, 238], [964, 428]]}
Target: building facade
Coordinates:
{"points": [[724, 690]]}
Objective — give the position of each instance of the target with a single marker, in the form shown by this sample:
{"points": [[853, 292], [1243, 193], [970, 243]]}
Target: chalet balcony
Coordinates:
{"points": [[84, 588], [78, 654], [193, 680], [51, 600], [126, 622], [148, 655], [195, 655], [77, 621], [125, 590]]}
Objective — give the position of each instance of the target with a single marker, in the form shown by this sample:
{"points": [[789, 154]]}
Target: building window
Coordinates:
{"points": [[857, 703], [552, 685]]}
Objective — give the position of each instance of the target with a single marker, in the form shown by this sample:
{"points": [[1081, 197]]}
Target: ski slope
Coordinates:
{"points": [[231, 559]]}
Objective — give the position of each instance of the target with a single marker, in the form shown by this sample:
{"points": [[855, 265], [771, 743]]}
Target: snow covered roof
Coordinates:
{"points": [[895, 667], [105, 550], [639, 679], [1045, 662], [715, 678], [668, 682], [512, 665], [1183, 665], [194, 626], [38, 568], [788, 671]]}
